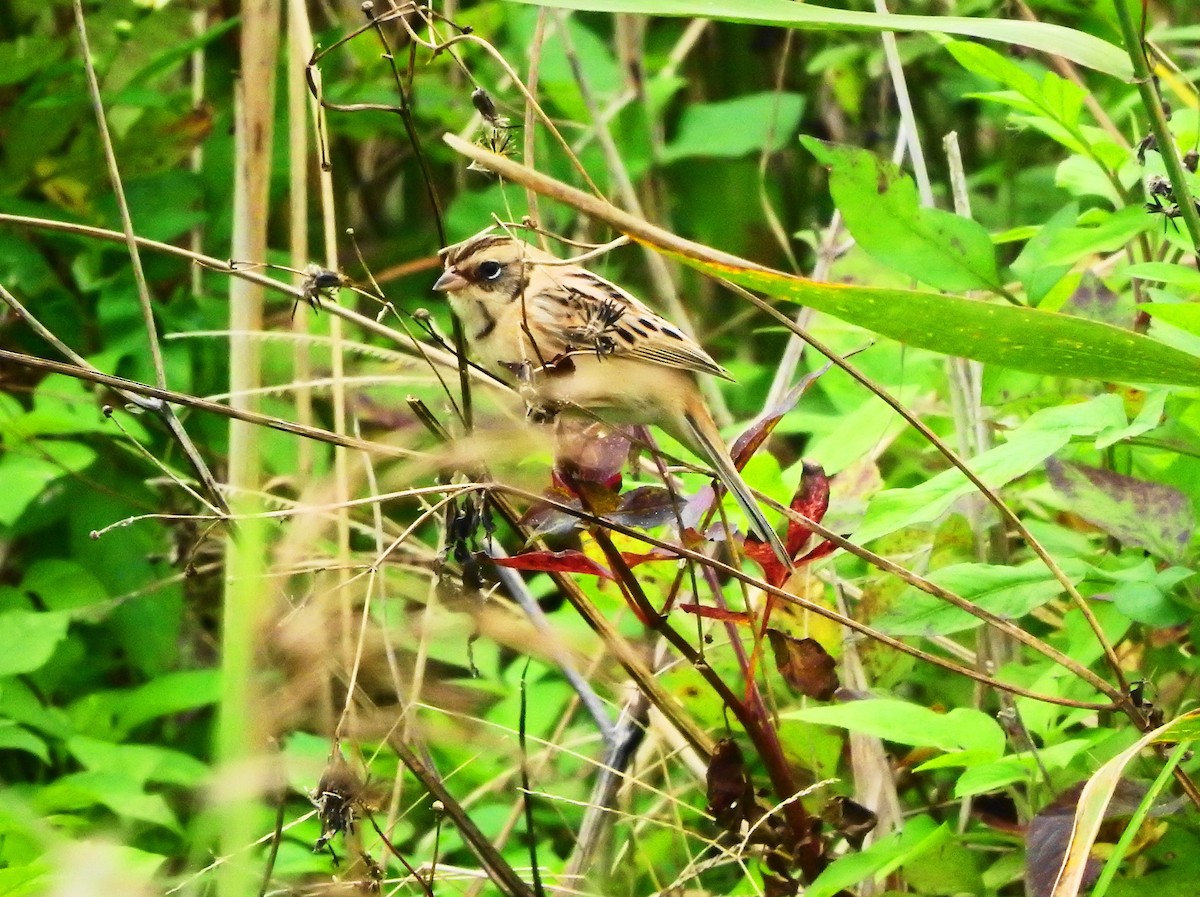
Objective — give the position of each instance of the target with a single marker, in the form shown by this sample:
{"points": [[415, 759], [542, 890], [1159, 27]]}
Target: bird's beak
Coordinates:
{"points": [[450, 281]]}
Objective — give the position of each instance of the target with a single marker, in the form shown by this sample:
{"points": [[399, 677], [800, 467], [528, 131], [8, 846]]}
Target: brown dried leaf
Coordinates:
{"points": [[804, 665], [730, 794], [850, 819]]}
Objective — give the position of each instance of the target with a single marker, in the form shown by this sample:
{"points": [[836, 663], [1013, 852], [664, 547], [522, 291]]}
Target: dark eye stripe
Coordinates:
{"points": [[464, 251]]}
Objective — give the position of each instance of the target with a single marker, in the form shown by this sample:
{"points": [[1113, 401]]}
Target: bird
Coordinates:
{"points": [[581, 342]]}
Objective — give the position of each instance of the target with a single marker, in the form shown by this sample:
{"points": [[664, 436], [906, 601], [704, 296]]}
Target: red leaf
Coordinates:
{"points": [[811, 500], [717, 613], [752, 439], [823, 550], [633, 559], [760, 552], [570, 561]]}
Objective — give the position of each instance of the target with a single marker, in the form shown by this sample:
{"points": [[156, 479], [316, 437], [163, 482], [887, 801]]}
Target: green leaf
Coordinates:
{"points": [[1184, 315], [1100, 231], [884, 214], [732, 128], [1025, 766], [63, 585], [1081, 177], [1168, 273], [1144, 602], [919, 835], [900, 721], [62, 405], [26, 476], [1026, 449], [172, 693], [1056, 98], [1147, 419], [1024, 339], [1030, 266], [30, 879], [28, 638], [26, 56], [17, 738], [118, 793], [1056, 40], [141, 762], [1008, 592], [179, 51]]}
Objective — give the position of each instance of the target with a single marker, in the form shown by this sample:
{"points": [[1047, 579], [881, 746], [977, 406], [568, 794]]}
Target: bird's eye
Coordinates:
{"points": [[490, 270]]}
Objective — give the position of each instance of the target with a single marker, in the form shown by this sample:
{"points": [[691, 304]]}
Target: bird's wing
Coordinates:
{"points": [[590, 314]]}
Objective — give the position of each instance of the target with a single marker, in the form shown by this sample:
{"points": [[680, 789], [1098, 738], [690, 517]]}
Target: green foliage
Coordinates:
{"points": [[1071, 290]]}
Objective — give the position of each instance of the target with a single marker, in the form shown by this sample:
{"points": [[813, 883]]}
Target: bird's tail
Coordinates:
{"points": [[703, 432]]}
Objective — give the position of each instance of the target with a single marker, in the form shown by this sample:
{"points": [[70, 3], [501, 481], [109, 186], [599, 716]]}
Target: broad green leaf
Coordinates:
{"points": [[20, 703], [141, 762], [1025, 449], [112, 790], [62, 405], [1030, 266], [26, 476], [906, 723], [172, 693], [1053, 39], [179, 52], [1021, 767], [1147, 419], [1054, 97], [1168, 273], [63, 585], [883, 213], [1101, 231], [1024, 339], [732, 128], [987, 63], [30, 879], [17, 738], [1184, 315], [28, 638], [1144, 602], [1008, 592], [919, 835], [592, 53], [26, 56], [1083, 177]]}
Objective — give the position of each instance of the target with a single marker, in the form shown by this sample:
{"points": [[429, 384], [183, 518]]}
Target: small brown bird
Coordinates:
{"points": [[587, 343]]}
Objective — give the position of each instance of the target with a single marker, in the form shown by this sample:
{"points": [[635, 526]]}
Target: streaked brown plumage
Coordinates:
{"points": [[521, 306]]}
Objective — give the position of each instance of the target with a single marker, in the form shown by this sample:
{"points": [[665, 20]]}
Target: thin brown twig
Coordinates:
{"points": [[295, 294], [190, 401]]}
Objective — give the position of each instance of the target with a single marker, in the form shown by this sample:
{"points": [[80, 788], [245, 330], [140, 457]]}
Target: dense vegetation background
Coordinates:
{"points": [[226, 643]]}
